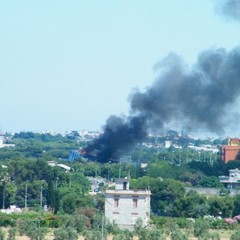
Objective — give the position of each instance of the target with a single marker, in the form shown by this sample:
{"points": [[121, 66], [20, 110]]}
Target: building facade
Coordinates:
{"points": [[124, 206], [233, 180], [231, 151]]}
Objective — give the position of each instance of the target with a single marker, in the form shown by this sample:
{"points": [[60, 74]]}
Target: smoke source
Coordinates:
{"points": [[200, 96]]}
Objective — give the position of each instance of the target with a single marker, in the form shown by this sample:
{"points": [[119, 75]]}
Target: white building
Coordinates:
{"points": [[233, 180], [124, 206], [2, 144]]}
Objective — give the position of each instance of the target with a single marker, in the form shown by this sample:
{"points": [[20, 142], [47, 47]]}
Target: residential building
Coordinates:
{"points": [[124, 206], [233, 180], [231, 151]]}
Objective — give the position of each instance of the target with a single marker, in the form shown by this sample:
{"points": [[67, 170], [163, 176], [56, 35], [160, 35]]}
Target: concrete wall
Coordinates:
{"points": [[211, 191], [126, 213]]}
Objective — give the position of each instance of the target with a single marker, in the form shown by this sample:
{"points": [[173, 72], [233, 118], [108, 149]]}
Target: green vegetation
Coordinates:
{"points": [[28, 181]]}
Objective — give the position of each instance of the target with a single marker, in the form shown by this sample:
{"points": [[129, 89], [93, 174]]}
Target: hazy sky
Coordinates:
{"points": [[70, 64]]}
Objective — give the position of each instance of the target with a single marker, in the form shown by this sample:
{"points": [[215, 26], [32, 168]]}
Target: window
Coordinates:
{"points": [[135, 203], [116, 202]]}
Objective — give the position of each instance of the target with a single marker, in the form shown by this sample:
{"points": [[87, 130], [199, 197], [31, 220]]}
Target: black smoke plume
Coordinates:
{"points": [[198, 96], [231, 8]]}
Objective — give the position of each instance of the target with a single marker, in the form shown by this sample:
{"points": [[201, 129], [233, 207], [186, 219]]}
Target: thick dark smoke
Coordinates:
{"points": [[198, 96], [119, 136], [231, 8]]}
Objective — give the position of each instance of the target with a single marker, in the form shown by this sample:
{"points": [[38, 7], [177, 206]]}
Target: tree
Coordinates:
{"points": [[236, 210], [192, 205], [53, 198], [69, 203], [164, 193], [221, 206]]}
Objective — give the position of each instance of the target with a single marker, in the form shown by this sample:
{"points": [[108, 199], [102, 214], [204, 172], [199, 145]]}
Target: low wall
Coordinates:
{"points": [[211, 191]]}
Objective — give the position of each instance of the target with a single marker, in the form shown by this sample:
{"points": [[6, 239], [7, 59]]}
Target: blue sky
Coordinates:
{"points": [[70, 64]]}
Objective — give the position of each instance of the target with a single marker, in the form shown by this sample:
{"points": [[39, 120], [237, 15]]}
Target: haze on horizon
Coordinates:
{"points": [[70, 65]]}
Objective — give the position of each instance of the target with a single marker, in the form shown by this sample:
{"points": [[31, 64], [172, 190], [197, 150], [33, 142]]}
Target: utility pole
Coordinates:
{"points": [[4, 194], [41, 197], [26, 189], [102, 226], [120, 170]]}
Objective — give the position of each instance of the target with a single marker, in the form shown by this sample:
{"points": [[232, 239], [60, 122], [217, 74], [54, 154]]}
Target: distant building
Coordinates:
{"points": [[124, 206], [63, 166], [2, 144], [233, 180], [11, 209], [231, 151], [167, 144]]}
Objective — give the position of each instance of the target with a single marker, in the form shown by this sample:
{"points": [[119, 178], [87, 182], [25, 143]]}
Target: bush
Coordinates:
{"points": [[209, 236], [124, 235], [112, 228], [235, 235], [2, 235], [53, 221], [200, 227], [12, 234], [93, 235], [65, 234], [178, 235], [156, 234], [32, 230]]}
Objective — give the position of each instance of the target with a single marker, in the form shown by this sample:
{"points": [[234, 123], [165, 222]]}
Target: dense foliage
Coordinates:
{"points": [[28, 181]]}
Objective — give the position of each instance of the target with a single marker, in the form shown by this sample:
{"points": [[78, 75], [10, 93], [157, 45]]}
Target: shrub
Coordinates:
{"points": [[200, 227], [112, 228], [32, 230], [12, 234], [209, 236], [93, 235], [64, 234], [178, 235], [125, 235], [235, 235], [156, 234], [2, 235]]}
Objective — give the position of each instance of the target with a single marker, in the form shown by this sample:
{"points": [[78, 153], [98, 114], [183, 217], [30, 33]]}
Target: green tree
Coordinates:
{"points": [[164, 194], [192, 205], [236, 209], [69, 203], [221, 206]]}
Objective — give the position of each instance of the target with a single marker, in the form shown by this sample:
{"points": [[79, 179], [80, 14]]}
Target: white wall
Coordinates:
{"points": [[125, 215]]}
